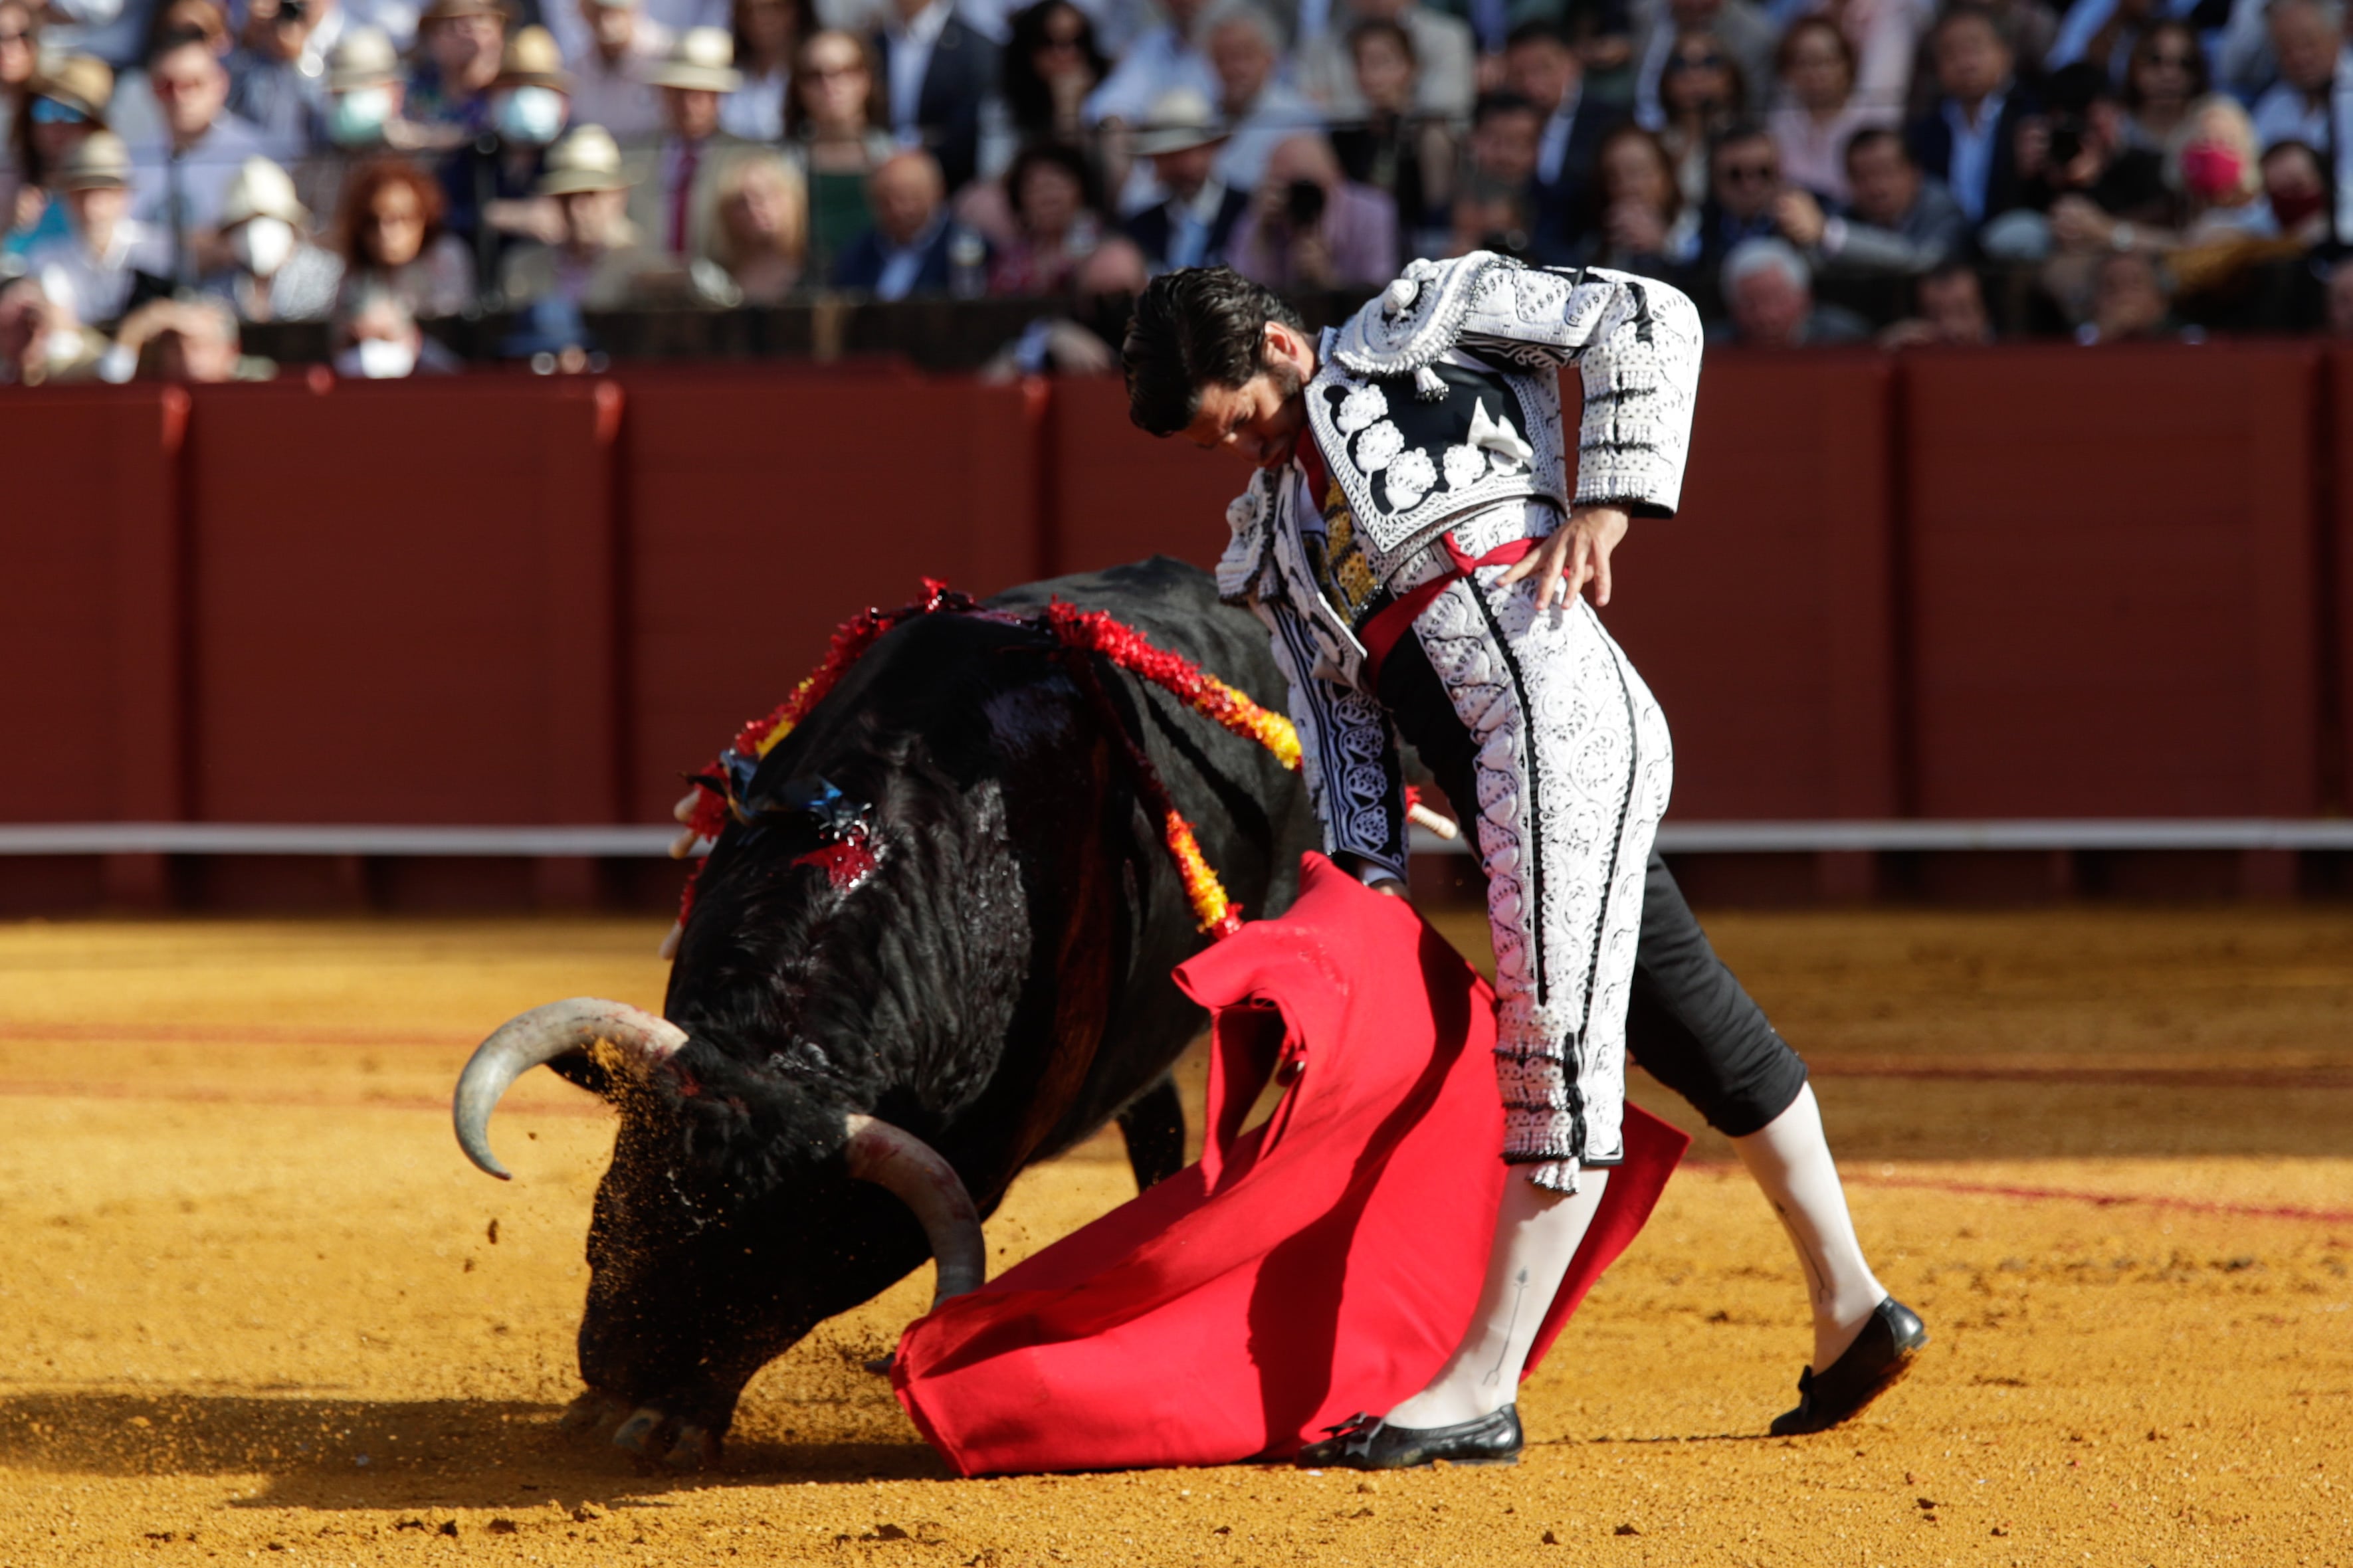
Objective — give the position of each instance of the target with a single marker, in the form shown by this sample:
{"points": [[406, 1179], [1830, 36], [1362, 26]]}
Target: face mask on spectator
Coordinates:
{"points": [[376, 359], [359, 115], [2211, 172], [2291, 207], [531, 114], [261, 245]]}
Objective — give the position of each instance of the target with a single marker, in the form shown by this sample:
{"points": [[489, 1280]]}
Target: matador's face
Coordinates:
{"points": [[1260, 420]]}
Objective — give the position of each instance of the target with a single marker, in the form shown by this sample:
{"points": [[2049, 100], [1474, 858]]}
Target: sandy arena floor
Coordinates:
{"points": [[254, 1305]]}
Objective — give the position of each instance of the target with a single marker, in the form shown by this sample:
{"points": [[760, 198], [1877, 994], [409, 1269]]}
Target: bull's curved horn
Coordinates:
{"points": [[913, 1171], [537, 1037]]}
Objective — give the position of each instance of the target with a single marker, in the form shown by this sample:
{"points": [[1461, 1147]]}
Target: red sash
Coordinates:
{"points": [[1392, 620], [1390, 623]]}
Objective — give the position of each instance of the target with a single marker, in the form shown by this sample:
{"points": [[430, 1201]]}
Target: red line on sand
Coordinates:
{"points": [[2102, 1200], [330, 1035], [203, 1094], [228, 1034], [2152, 1077], [208, 1095]]}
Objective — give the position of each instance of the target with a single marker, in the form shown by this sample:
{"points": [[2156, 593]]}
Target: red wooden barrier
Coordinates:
{"points": [[2032, 582], [1119, 495], [1759, 614], [764, 508], [404, 602], [90, 646], [2112, 585]]}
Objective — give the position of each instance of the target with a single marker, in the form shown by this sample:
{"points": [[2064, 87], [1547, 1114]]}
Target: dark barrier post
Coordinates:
{"points": [[1761, 615], [91, 649], [2337, 471], [2112, 574], [765, 507], [403, 612]]}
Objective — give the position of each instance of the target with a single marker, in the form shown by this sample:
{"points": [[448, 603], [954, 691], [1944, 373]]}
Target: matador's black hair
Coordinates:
{"points": [[1196, 327]]}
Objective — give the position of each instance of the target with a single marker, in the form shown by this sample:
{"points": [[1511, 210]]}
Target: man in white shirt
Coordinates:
{"points": [[90, 272], [1169, 57], [1245, 48], [1195, 219], [2306, 41], [618, 44], [177, 184]]}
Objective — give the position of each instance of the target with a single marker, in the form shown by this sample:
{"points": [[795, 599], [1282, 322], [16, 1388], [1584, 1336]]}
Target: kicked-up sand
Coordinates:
{"points": [[255, 1307]]}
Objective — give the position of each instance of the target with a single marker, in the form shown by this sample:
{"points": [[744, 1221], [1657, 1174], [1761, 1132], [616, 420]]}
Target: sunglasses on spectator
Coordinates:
{"points": [[1694, 63], [830, 73], [1747, 174], [50, 111], [2179, 62], [1051, 42]]}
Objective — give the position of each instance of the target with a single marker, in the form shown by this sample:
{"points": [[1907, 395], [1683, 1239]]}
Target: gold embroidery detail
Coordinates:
{"points": [[1342, 572]]}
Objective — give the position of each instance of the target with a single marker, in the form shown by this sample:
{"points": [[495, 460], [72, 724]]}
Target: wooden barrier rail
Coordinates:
{"points": [[2017, 585]]}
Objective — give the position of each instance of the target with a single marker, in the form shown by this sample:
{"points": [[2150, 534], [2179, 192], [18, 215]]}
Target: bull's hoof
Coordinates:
{"points": [[697, 1448], [881, 1364], [588, 1412], [637, 1434]]}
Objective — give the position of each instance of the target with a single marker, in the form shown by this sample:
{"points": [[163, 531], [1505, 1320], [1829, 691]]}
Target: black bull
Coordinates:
{"points": [[992, 994]]}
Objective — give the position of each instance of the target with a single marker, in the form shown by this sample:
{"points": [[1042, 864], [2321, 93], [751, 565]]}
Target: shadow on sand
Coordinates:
{"points": [[398, 1454]]}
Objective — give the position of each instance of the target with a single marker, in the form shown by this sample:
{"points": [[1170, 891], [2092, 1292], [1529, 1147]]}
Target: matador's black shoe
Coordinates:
{"points": [[1875, 1363], [1370, 1443]]}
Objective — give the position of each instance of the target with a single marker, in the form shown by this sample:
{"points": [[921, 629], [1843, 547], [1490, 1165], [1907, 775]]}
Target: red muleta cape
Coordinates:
{"points": [[1321, 1263]]}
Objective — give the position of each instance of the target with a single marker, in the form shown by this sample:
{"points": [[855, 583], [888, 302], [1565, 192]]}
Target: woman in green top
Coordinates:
{"points": [[832, 132]]}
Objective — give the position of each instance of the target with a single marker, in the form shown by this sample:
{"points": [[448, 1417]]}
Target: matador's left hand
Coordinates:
{"points": [[1576, 554]]}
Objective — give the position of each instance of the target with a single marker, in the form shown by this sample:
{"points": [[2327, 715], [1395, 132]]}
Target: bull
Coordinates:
{"points": [[850, 1071]]}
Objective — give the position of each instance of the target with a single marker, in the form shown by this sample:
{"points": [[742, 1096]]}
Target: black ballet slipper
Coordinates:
{"points": [[1875, 1363], [1370, 1443]]}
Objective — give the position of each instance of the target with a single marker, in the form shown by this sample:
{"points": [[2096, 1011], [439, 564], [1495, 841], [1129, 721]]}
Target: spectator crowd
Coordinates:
{"points": [[1811, 171]]}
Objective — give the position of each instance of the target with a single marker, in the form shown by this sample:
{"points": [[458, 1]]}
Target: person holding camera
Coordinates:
{"points": [[1310, 227]]}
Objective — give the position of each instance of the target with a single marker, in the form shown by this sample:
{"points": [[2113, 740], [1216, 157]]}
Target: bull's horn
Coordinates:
{"points": [[914, 1173], [537, 1037]]}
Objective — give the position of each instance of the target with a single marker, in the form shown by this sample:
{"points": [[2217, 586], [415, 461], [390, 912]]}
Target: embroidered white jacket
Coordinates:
{"points": [[1437, 409]]}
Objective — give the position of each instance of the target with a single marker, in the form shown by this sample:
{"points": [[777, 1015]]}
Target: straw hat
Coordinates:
{"points": [[586, 160], [1181, 118], [532, 59], [78, 81], [363, 56], [262, 189], [702, 57], [99, 162]]}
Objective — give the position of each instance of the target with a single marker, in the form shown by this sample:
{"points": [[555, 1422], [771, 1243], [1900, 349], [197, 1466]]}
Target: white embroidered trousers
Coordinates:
{"points": [[1574, 768]]}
